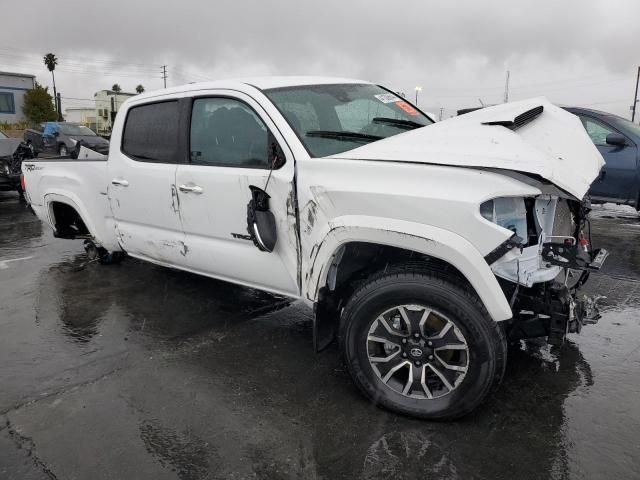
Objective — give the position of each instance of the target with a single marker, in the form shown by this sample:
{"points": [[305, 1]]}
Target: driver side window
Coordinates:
{"points": [[227, 132], [597, 131]]}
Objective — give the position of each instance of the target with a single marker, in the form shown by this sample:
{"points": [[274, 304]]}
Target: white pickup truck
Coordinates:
{"points": [[423, 247]]}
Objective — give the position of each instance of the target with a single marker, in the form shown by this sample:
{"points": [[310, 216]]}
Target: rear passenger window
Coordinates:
{"points": [[227, 132], [151, 133]]}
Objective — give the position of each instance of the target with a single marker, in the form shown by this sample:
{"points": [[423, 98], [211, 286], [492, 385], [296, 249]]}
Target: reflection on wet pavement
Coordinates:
{"points": [[137, 371]]}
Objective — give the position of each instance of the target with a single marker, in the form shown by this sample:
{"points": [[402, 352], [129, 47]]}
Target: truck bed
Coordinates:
{"points": [[81, 184]]}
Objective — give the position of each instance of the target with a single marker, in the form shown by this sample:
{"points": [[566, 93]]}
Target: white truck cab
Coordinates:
{"points": [[423, 247]]}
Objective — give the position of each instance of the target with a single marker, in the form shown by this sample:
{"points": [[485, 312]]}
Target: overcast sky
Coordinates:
{"points": [[578, 52]]}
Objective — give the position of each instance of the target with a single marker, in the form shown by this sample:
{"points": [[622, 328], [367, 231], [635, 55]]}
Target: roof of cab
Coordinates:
{"points": [[262, 83]]}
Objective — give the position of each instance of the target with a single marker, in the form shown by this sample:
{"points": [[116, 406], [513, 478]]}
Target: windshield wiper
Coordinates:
{"points": [[396, 122], [343, 135]]}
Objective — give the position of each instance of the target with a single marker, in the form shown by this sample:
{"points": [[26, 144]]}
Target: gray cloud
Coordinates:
{"points": [[572, 51]]}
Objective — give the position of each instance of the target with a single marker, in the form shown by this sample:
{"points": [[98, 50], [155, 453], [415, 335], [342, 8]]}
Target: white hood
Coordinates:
{"points": [[554, 145]]}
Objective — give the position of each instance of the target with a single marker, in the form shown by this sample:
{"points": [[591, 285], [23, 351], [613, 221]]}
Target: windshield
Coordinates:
{"points": [[332, 119], [69, 129]]}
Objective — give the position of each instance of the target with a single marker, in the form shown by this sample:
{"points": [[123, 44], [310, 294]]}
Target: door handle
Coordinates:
{"points": [[120, 181], [191, 189]]}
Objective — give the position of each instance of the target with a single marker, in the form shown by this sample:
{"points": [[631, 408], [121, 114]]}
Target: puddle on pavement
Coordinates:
{"points": [[558, 414]]}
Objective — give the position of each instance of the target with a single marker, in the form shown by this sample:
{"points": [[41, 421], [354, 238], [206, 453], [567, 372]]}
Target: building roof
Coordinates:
{"points": [[15, 74]]}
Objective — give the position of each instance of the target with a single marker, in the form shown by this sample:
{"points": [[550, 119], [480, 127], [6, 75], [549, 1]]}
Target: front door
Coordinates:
{"points": [[142, 194], [618, 179], [230, 143]]}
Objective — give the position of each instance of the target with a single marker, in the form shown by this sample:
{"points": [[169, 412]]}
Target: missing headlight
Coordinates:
{"points": [[509, 213]]}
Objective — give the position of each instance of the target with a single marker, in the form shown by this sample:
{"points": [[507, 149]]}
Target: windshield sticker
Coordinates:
{"points": [[387, 97], [407, 108]]}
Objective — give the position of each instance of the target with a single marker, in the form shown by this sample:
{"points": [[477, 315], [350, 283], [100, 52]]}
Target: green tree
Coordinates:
{"points": [[139, 89], [51, 61], [116, 88], [38, 105]]}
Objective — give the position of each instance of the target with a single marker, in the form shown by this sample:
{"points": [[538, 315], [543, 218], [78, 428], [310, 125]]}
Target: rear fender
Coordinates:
{"points": [[100, 233], [428, 240]]}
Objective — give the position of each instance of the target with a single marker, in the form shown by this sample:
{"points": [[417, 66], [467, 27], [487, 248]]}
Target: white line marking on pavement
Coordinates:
{"points": [[3, 263]]}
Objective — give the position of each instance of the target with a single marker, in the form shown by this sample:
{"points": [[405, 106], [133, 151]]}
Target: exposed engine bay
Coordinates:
{"points": [[545, 262]]}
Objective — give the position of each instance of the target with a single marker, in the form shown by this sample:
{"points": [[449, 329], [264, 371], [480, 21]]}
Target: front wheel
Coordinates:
{"points": [[419, 343]]}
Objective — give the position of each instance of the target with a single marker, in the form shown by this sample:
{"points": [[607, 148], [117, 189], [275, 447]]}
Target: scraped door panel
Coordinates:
{"points": [[142, 190], [146, 212], [228, 154]]}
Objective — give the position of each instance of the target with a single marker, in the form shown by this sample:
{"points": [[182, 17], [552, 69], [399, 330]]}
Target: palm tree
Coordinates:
{"points": [[139, 89], [51, 61], [116, 88]]}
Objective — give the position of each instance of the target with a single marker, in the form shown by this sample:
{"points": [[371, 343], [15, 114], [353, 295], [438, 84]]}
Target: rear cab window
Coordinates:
{"points": [[151, 132]]}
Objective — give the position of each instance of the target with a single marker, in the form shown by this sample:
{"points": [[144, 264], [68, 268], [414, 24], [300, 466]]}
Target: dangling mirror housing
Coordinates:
{"points": [[261, 224]]}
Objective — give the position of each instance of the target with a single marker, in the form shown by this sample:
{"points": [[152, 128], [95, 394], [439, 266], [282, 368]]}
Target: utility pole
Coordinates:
{"points": [[164, 75], [59, 106], [635, 98], [418, 89], [506, 89]]}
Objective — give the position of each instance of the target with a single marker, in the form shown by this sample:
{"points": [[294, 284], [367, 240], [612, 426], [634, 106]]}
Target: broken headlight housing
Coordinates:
{"points": [[509, 213]]}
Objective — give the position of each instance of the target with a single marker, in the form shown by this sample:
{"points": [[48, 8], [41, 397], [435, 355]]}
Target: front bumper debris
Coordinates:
{"points": [[573, 256], [552, 310]]}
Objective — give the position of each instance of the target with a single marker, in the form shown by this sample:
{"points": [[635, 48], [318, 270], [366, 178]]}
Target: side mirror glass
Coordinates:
{"points": [[616, 139]]}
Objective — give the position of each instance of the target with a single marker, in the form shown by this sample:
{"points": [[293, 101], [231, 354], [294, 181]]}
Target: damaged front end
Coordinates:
{"points": [[543, 265]]}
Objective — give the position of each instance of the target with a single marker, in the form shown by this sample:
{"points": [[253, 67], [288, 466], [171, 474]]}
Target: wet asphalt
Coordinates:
{"points": [[134, 371]]}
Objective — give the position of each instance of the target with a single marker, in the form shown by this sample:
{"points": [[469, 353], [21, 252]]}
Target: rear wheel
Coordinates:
{"points": [[101, 254], [421, 344], [63, 151]]}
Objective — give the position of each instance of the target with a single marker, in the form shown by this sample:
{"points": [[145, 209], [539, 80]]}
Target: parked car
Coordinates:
{"points": [[617, 139], [12, 152], [60, 138], [423, 247]]}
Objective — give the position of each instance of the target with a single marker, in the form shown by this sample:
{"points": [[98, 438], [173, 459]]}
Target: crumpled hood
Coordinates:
{"points": [[554, 145]]}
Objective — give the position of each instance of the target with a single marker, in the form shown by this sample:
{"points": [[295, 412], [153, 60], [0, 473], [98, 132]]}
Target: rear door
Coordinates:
{"points": [[142, 194], [618, 178], [230, 139]]}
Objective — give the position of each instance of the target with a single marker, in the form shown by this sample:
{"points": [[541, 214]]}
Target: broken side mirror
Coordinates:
{"points": [[276, 155], [261, 223], [616, 139]]}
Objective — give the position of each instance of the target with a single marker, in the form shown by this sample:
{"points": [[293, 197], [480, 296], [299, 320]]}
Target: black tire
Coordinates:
{"points": [[101, 254], [63, 151], [486, 353]]}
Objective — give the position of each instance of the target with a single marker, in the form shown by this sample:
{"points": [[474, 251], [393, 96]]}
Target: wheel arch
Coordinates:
{"points": [[63, 213], [398, 242]]}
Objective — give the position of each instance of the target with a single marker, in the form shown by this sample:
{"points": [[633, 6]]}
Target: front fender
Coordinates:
{"points": [[433, 241]]}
